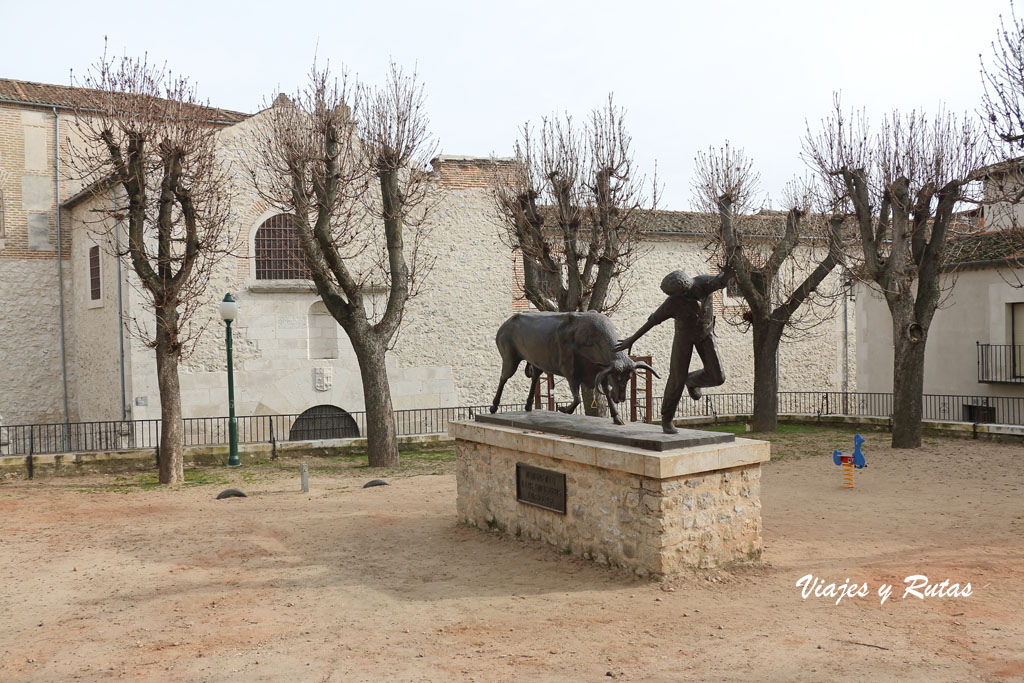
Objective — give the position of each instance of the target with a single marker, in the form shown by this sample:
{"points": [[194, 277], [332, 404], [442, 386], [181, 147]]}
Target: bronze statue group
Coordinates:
{"points": [[556, 343]]}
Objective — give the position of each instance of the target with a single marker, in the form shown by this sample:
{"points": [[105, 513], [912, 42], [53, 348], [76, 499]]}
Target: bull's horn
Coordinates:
{"points": [[600, 378], [642, 365]]}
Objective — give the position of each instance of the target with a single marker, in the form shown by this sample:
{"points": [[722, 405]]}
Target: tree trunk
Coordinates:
{"points": [[908, 381], [381, 440], [594, 402], [766, 377], [172, 434]]}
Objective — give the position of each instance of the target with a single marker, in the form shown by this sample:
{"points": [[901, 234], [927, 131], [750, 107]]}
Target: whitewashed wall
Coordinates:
{"points": [[977, 310]]}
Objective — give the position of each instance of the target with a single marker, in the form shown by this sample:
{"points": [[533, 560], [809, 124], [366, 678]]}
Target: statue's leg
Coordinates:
{"points": [[682, 350], [711, 375], [576, 400], [508, 368], [611, 404], [534, 385]]}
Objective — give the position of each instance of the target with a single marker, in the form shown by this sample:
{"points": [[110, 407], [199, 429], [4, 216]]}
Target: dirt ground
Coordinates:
{"points": [[105, 579]]}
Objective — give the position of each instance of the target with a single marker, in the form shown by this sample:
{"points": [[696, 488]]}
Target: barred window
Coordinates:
{"points": [[94, 274], [278, 251]]}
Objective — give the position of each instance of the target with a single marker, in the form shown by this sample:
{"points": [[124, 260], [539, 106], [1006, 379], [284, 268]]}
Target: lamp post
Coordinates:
{"points": [[229, 311], [847, 295]]}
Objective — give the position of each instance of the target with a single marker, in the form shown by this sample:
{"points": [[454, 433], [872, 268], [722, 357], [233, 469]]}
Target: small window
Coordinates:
{"points": [[95, 283], [278, 250]]}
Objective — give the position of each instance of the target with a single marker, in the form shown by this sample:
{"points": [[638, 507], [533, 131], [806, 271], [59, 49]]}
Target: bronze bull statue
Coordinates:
{"points": [[577, 346]]}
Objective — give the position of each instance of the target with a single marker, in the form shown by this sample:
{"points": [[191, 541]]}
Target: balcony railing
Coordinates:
{"points": [[1000, 363]]}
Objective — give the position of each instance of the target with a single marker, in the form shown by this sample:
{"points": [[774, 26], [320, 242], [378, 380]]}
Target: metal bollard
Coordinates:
{"points": [[304, 472]]}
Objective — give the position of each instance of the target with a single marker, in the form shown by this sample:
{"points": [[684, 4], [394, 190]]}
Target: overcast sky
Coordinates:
{"points": [[689, 74]]}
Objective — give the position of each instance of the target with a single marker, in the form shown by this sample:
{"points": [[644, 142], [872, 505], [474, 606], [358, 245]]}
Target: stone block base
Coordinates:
{"points": [[653, 512]]}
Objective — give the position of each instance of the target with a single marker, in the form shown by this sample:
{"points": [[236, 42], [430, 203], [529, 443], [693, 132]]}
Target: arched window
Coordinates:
{"points": [[278, 251], [323, 422]]}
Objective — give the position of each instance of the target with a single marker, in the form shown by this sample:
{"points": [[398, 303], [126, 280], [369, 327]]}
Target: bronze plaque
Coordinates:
{"points": [[540, 487]]}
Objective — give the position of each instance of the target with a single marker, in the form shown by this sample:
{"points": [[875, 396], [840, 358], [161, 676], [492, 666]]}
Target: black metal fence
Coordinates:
{"points": [[212, 431], [1000, 363], [935, 407]]}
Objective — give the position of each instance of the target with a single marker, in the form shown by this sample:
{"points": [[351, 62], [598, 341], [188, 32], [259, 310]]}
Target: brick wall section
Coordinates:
{"points": [[463, 173]]}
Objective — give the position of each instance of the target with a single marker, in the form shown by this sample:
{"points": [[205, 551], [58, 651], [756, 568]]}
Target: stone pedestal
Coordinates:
{"points": [[695, 503]]}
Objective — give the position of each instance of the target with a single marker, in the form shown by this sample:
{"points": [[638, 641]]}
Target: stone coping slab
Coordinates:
{"points": [[635, 434], [655, 465]]}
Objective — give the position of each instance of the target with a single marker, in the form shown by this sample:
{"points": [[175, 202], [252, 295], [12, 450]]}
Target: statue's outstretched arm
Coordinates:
{"points": [[663, 313], [704, 285]]}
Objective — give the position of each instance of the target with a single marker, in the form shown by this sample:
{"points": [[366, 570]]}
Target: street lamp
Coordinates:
{"points": [[229, 311]]}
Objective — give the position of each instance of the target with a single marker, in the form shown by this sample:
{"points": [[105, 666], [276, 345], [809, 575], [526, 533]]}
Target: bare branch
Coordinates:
{"points": [[568, 204]]}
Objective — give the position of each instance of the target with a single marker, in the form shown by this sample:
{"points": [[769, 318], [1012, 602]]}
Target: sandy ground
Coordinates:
{"points": [[346, 583]]}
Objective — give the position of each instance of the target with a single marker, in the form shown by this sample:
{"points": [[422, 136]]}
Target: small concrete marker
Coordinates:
{"points": [[304, 472], [231, 493], [375, 482]]}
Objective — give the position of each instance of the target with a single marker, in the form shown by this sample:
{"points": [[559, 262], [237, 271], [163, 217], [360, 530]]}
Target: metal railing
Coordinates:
{"points": [[213, 431], [1000, 363], [74, 437], [935, 407]]}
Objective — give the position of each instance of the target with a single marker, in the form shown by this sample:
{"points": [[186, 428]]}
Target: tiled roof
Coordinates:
{"points": [[995, 245], [69, 97], [694, 223]]}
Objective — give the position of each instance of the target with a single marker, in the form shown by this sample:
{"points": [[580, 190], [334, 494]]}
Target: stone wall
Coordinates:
{"points": [[473, 289], [616, 513], [30, 367], [282, 363], [30, 360], [93, 349], [445, 354]]}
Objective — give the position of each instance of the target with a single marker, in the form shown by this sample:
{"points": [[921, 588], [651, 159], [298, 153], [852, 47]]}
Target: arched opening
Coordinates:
{"points": [[323, 422], [278, 250], [321, 332]]}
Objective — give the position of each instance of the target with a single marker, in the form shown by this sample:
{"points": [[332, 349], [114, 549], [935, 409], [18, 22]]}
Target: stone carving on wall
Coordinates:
{"points": [[323, 378]]}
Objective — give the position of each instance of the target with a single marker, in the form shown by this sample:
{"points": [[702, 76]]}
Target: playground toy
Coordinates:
{"points": [[849, 461]]}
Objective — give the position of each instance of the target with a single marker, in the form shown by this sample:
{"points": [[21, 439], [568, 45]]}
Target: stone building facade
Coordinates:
{"points": [[289, 356]]}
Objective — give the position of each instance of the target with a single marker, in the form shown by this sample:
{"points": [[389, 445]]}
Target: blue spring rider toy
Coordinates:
{"points": [[849, 461]]}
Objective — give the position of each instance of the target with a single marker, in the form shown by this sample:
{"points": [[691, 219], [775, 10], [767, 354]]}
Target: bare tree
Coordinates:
{"points": [[1003, 99], [144, 131], [779, 273], [1003, 110], [903, 184], [349, 163], [569, 207]]}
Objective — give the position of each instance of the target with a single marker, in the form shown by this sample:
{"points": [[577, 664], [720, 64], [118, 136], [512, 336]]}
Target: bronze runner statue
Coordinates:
{"points": [[690, 303]]}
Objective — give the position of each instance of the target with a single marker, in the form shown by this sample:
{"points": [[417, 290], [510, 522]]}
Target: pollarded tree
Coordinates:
{"points": [[349, 164], [779, 273], [903, 184], [1003, 109], [144, 131], [569, 206], [1003, 100]]}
